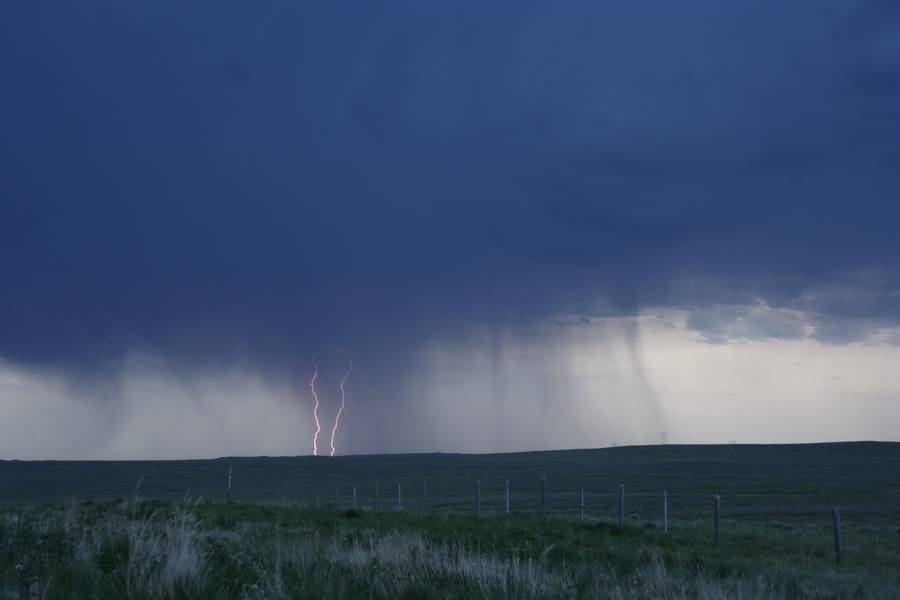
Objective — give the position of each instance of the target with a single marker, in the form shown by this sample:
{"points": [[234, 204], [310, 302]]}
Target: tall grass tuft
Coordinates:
{"points": [[145, 549]]}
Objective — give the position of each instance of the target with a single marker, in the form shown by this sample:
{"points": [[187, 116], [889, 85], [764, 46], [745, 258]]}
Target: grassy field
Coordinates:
{"points": [[70, 530], [164, 549], [754, 481]]}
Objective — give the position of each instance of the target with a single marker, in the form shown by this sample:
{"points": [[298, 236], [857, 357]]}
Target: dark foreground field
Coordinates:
{"points": [[82, 530]]}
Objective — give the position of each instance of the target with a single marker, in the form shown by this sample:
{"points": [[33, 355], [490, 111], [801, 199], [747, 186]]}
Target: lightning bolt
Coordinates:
{"points": [[337, 417], [312, 388]]}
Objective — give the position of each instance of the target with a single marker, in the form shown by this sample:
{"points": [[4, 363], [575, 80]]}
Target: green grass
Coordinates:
{"points": [[755, 481], [77, 529], [162, 549]]}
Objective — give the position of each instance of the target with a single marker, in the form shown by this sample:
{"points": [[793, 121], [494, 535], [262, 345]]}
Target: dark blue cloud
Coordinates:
{"points": [[216, 177]]}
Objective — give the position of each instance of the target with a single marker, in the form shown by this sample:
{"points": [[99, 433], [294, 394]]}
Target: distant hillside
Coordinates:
{"points": [[747, 476]]}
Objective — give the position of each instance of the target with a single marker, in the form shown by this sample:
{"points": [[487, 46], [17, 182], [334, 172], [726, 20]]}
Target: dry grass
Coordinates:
{"points": [[152, 550]]}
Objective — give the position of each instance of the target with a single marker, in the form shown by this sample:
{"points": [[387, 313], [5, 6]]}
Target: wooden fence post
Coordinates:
{"points": [[399, 498], [228, 493], [621, 505], [354, 498], [582, 501], [665, 511], [507, 496], [477, 497], [543, 495], [716, 524], [375, 505], [838, 541]]}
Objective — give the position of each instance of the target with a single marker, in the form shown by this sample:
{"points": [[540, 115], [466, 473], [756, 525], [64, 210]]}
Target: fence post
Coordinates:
{"points": [[399, 498], [582, 501], [337, 496], [354, 498], [507, 496], [838, 542], [665, 511], [477, 497], [228, 493], [621, 505], [716, 524], [424, 493], [543, 495], [375, 505]]}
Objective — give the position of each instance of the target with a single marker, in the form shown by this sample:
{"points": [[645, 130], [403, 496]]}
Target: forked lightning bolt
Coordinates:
{"points": [[315, 397], [312, 388], [337, 417]]}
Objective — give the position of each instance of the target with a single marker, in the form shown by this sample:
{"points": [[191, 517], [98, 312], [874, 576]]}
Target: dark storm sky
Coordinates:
{"points": [[211, 179]]}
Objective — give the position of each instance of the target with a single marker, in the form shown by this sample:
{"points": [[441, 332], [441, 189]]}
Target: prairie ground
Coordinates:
{"points": [[161, 549], [78, 530]]}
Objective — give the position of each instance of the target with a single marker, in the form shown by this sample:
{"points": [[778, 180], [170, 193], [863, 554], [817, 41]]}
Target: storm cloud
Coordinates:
{"points": [[218, 183]]}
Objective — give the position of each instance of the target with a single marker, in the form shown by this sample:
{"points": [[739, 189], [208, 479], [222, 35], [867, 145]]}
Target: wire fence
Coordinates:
{"points": [[611, 503], [581, 500]]}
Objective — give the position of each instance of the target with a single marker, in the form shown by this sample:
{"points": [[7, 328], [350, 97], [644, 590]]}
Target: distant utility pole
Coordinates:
{"points": [[663, 438]]}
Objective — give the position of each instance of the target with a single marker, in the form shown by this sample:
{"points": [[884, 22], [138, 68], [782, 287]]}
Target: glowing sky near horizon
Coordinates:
{"points": [[586, 386]]}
